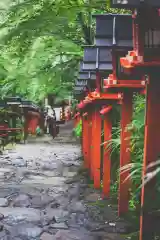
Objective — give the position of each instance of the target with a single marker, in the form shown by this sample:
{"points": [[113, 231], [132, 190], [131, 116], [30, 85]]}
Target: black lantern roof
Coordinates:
{"points": [[90, 83], [87, 75], [13, 100], [83, 75], [97, 58], [114, 30], [81, 82], [132, 4]]}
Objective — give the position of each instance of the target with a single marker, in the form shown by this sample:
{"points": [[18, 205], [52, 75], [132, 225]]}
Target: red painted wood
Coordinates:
{"points": [[106, 96], [114, 64], [126, 117], [85, 114], [125, 86], [96, 150], [108, 83], [93, 122], [151, 154], [85, 141], [105, 110], [134, 32], [98, 81], [107, 156], [89, 152]]}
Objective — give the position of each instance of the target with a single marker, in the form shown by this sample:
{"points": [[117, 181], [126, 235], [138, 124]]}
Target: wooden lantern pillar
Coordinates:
{"points": [[81, 85], [146, 58], [97, 101], [78, 94], [101, 100], [96, 60], [127, 88], [81, 91], [119, 40], [86, 132], [96, 146], [85, 139], [110, 33], [107, 150]]}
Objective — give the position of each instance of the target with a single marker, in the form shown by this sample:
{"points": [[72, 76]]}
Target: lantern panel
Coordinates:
{"points": [[90, 54], [110, 30], [102, 42], [152, 44], [83, 75], [89, 66], [123, 31], [105, 67], [105, 55], [101, 22], [104, 30], [101, 59], [101, 66], [152, 38]]}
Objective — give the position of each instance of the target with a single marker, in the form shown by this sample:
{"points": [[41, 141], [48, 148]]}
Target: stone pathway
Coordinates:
{"points": [[42, 196]]}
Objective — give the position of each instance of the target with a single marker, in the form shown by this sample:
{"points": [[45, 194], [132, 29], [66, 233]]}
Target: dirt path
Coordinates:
{"points": [[42, 197]]}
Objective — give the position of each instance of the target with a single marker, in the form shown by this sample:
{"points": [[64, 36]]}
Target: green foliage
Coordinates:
{"points": [[41, 44], [78, 129], [137, 140]]}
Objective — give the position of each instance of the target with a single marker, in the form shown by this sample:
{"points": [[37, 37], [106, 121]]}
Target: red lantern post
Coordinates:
{"points": [[98, 100], [107, 150], [127, 87], [85, 138], [146, 58]]}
